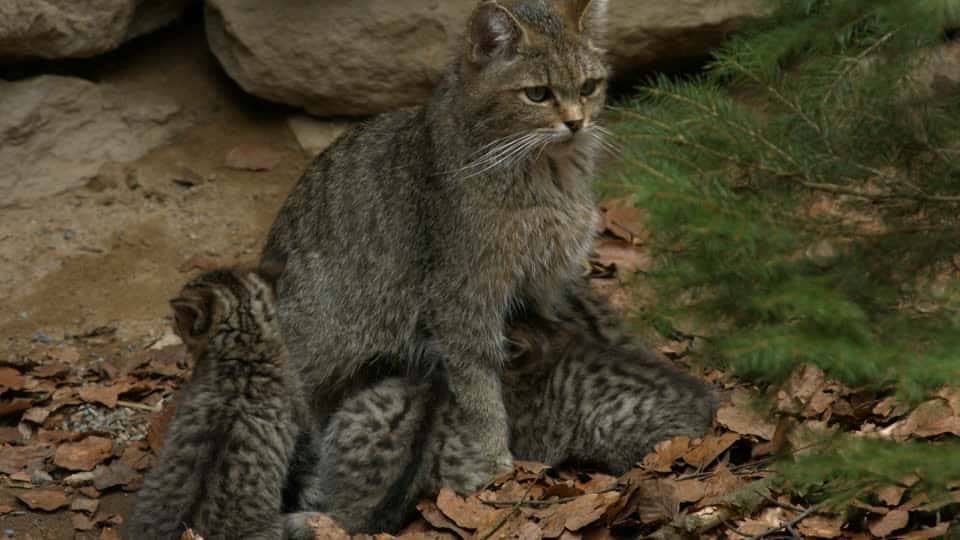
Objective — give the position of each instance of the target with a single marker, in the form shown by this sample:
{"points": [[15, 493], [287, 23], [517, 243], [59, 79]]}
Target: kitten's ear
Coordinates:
{"points": [[193, 314], [586, 17], [493, 33], [270, 269]]}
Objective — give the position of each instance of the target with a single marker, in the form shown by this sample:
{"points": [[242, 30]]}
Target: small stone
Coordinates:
{"points": [[79, 479], [252, 157], [40, 477], [42, 338], [9, 533], [24, 315], [68, 235]]}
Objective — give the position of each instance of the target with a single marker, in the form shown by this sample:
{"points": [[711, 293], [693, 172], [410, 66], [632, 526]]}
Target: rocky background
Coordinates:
{"points": [[144, 140]]}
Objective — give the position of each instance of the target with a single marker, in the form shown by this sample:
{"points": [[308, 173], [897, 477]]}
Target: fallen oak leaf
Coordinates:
{"points": [[433, 516], [15, 405], [709, 449], [117, 473], [469, 513], [894, 520], [14, 459], [84, 455], [666, 453], [740, 416], [11, 379], [587, 509], [48, 500], [820, 527]]}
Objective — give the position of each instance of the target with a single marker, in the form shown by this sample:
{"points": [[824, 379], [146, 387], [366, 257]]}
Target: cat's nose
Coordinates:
{"points": [[574, 125]]}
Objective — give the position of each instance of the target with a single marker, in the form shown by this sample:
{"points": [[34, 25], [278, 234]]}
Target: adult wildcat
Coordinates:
{"points": [[414, 237]]}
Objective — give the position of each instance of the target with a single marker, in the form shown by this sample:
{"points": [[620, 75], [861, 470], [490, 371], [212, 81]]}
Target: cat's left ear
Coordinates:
{"points": [[493, 33], [586, 17]]}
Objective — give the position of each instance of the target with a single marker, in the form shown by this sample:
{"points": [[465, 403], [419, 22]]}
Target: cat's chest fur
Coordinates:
{"points": [[543, 227]]}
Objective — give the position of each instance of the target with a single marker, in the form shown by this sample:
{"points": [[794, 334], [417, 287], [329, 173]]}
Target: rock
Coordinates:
{"points": [[68, 29], [56, 133], [358, 58], [314, 136]]}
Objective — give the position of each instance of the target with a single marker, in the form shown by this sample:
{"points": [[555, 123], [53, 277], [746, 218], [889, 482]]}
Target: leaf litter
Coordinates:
{"points": [[94, 425]]}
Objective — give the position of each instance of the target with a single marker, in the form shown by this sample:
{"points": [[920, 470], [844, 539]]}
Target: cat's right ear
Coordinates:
{"points": [[493, 33], [193, 315]]}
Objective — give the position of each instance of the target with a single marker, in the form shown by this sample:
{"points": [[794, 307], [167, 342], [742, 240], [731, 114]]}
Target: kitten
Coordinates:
{"points": [[576, 389], [226, 456], [413, 237]]}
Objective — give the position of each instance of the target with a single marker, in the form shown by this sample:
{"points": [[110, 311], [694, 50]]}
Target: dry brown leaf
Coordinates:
{"points": [[690, 490], [709, 449], [31, 457], [720, 483], [105, 395], [83, 455], [325, 528], [433, 516], [666, 453], [586, 509], [894, 520], [15, 405], [84, 504], [804, 383], [820, 527], [64, 355], [626, 257], [137, 457], [9, 435], [6, 509], [740, 416], [889, 407], [468, 513], [621, 219], [48, 500], [113, 534], [82, 522], [654, 499], [50, 371], [189, 535], [114, 474], [11, 379], [940, 531], [929, 419], [159, 421], [891, 495]]}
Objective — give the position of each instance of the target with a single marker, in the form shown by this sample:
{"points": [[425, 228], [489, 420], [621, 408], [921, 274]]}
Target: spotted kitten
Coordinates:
{"points": [[226, 455]]}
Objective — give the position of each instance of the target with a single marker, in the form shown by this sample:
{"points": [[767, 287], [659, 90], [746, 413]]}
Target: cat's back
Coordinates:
{"points": [[364, 174]]}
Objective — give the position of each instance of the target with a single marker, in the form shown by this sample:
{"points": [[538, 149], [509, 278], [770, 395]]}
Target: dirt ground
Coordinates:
{"points": [[89, 259]]}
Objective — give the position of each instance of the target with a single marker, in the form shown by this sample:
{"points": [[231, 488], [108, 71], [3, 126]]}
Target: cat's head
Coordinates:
{"points": [[227, 308], [534, 70]]}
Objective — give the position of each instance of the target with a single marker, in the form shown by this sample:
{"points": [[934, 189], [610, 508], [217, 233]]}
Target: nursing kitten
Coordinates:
{"points": [[227, 452], [576, 389], [412, 239]]}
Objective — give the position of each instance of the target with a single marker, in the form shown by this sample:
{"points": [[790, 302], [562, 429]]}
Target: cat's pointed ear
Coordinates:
{"points": [[493, 33], [586, 17], [193, 314]]}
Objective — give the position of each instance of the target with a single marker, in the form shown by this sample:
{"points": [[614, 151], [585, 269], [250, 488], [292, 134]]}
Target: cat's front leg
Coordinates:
{"points": [[472, 431]]}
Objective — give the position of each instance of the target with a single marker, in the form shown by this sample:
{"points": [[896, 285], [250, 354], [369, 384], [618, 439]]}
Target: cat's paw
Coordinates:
{"points": [[467, 468]]}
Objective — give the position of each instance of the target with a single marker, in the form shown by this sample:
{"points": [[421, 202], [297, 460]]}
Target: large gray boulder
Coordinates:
{"points": [[76, 29], [57, 132], [361, 57]]}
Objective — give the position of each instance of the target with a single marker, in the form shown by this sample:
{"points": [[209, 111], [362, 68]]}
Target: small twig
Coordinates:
{"points": [[513, 510], [135, 405], [561, 500]]}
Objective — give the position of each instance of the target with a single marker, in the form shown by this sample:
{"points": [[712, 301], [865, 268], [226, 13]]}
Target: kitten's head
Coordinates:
{"points": [[227, 309], [533, 70]]}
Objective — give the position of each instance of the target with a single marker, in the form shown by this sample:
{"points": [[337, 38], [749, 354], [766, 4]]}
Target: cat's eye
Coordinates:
{"points": [[537, 94], [589, 88]]}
